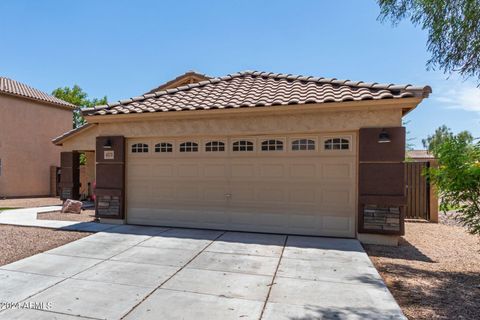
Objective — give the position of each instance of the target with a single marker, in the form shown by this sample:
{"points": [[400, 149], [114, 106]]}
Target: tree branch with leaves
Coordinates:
{"points": [[75, 95], [453, 28]]}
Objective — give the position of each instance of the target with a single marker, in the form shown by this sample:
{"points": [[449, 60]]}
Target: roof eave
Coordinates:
{"points": [[58, 141], [403, 103]]}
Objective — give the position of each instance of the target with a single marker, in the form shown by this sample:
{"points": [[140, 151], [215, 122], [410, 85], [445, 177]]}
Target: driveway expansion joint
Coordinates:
{"points": [[180, 269], [273, 278]]}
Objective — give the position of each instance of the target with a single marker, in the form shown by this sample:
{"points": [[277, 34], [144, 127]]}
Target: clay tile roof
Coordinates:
{"points": [[419, 154], [12, 87], [257, 89]]}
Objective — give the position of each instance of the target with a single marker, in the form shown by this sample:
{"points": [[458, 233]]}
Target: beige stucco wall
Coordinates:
{"points": [[87, 174], [232, 123], [26, 130]]}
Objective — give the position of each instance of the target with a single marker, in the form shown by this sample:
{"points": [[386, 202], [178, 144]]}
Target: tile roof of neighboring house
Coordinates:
{"points": [[258, 89], [419, 154], [16, 88], [186, 78]]}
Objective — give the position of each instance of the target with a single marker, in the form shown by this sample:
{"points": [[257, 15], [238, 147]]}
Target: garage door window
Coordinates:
{"points": [[272, 145], [303, 145], [214, 146], [164, 147], [139, 148], [337, 144], [242, 145], [189, 147]]}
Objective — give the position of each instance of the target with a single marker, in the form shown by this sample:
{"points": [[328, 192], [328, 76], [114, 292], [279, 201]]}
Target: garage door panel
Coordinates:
{"points": [[140, 170], [242, 171], [272, 170], [337, 224], [187, 192], [163, 193], [215, 171], [275, 194], [303, 171], [339, 170], [162, 171], [339, 198], [281, 192], [188, 170]]}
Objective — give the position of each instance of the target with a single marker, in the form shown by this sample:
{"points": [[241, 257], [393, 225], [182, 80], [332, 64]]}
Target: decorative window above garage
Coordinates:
{"points": [[272, 145], [139, 148], [164, 147], [242, 145], [337, 144], [214, 146], [189, 147], [303, 145]]}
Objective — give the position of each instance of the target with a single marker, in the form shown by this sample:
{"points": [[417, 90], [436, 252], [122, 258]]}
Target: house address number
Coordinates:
{"points": [[109, 155]]}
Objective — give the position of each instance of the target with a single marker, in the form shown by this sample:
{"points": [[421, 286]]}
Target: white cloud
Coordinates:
{"points": [[454, 93]]}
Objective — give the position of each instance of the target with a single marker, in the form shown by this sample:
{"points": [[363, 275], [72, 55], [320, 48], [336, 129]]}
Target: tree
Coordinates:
{"points": [[78, 97], [453, 28], [409, 145], [457, 178], [441, 134]]}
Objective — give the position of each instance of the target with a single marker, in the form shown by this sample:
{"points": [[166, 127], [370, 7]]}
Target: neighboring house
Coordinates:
{"points": [[252, 151], [29, 119]]}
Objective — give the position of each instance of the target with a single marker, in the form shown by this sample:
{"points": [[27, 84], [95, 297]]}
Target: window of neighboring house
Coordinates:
{"points": [[189, 147], [242, 145], [214, 146], [303, 144], [272, 145], [337, 144], [164, 147], [139, 148]]}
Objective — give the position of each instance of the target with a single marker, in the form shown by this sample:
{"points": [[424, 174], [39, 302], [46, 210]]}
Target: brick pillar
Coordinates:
{"points": [[110, 177], [70, 175], [381, 181]]}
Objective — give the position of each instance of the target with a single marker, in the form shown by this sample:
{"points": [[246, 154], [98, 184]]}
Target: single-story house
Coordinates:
{"points": [[251, 151], [29, 120]]}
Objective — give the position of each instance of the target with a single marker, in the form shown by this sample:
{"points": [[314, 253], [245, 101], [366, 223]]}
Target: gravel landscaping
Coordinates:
{"points": [[21, 242], [84, 216], [30, 202], [435, 272]]}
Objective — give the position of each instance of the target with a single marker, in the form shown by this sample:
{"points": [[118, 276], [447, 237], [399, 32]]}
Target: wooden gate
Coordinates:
{"points": [[418, 191]]}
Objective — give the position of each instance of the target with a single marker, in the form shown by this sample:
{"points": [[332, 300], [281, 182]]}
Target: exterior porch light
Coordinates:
{"points": [[108, 144], [384, 137]]}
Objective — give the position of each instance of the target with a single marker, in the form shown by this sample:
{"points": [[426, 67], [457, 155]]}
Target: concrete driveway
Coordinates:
{"points": [[132, 272]]}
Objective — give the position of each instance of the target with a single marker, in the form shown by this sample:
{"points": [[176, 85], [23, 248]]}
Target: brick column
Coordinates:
{"points": [[70, 175], [381, 181], [110, 177]]}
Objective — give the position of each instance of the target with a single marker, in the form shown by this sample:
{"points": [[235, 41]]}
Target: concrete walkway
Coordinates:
{"points": [[132, 272], [28, 218]]}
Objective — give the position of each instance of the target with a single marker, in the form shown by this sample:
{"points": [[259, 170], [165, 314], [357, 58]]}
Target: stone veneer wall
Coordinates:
{"points": [[108, 205], [66, 193], [385, 218]]}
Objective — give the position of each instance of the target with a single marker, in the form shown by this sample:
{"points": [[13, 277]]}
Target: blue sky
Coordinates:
{"points": [[124, 48]]}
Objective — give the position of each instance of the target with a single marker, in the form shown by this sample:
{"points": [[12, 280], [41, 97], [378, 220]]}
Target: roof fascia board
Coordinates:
{"points": [[403, 103]]}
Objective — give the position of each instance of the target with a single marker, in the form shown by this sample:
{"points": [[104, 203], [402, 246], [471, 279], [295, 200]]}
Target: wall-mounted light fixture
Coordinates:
{"points": [[384, 137], [108, 144]]}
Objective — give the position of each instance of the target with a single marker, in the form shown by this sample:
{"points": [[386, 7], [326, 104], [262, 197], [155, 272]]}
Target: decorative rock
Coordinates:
{"points": [[72, 206]]}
